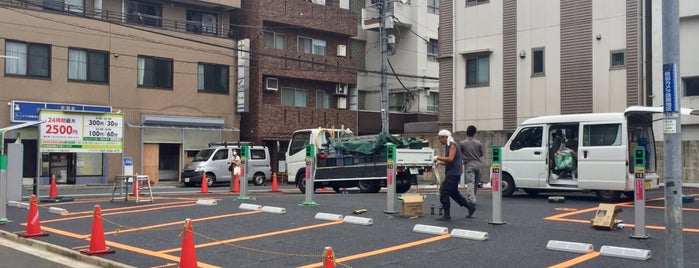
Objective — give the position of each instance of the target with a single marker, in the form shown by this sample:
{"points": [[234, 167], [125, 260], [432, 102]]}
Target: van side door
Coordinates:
{"points": [[219, 164], [524, 156], [602, 156], [260, 162]]}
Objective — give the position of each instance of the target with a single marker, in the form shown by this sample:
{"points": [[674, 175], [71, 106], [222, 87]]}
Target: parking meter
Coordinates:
{"points": [[390, 178], [640, 186], [310, 165], [244, 156], [496, 158]]}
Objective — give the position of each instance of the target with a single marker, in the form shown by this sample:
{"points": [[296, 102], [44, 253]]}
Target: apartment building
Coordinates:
{"points": [[300, 72], [507, 61], [413, 70], [166, 66]]}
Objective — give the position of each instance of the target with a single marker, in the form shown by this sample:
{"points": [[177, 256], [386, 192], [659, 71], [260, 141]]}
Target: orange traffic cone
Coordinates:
{"points": [[53, 192], [328, 258], [204, 185], [97, 243], [236, 184], [33, 222], [188, 256], [136, 186], [275, 186]]}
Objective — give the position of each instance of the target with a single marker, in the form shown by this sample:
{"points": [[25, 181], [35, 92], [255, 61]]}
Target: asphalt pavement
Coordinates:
{"points": [[146, 235]]}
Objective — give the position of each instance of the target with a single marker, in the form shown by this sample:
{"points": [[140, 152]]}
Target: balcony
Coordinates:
{"points": [[138, 19], [324, 18]]}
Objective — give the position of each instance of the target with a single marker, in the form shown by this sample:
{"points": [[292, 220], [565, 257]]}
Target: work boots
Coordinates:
{"points": [[471, 209]]}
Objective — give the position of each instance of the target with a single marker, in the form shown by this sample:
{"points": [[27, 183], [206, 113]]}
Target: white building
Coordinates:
{"points": [[514, 60], [414, 88]]}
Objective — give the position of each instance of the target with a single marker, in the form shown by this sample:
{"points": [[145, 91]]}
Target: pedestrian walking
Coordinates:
{"points": [[472, 152], [453, 169]]}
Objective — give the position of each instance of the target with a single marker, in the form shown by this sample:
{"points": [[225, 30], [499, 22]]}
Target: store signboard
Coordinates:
{"points": [[27, 111], [81, 132]]}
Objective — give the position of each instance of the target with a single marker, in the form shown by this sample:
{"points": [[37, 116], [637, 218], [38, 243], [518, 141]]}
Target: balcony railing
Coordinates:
{"points": [[137, 18]]}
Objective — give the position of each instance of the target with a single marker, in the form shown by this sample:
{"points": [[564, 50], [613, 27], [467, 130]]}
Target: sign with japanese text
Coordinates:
{"points": [[669, 89], [80, 132]]}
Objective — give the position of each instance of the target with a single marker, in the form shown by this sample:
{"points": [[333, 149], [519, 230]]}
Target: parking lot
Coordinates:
{"points": [[148, 235]]}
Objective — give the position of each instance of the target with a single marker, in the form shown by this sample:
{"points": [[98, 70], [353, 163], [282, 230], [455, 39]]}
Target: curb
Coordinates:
{"points": [[101, 262]]}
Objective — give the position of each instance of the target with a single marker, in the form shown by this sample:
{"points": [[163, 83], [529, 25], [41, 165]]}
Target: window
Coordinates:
{"points": [[528, 137], [257, 154], [432, 102], [212, 78], [154, 72], [396, 102], [617, 59], [88, 65], [432, 49], [691, 86], [27, 59], [74, 6], [473, 2], [602, 135], [311, 46], [299, 141], [322, 99], [275, 40], [201, 22], [144, 13], [433, 6], [538, 61], [221, 155], [294, 97], [477, 70]]}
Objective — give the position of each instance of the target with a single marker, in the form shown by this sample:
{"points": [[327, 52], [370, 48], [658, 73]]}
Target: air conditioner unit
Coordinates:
{"points": [[341, 51], [271, 84], [341, 89]]}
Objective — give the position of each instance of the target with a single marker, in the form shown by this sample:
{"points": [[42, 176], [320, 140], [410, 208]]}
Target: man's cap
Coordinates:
{"points": [[444, 132]]}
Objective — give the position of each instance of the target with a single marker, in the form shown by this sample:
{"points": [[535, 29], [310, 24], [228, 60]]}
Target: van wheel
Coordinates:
{"points": [[258, 179], [369, 186], [608, 196], [210, 179], [507, 185]]}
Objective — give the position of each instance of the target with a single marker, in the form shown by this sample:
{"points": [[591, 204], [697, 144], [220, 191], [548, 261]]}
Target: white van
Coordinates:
{"points": [[215, 160], [592, 152]]}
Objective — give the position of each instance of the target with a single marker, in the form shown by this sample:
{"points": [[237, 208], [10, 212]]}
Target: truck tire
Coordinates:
{"points": [[369, 186], [402, 187], [301, 181]]}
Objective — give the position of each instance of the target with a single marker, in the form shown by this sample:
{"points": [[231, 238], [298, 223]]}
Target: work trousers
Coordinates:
{"points": [[450, 188]]}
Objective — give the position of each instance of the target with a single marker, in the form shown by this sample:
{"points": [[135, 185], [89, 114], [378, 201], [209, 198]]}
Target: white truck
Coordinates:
{"points": [[345, 161]]}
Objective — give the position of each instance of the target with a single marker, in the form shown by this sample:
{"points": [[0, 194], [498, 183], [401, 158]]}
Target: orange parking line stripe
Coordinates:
{"points": [[221, 242], [127, 208], [129, 248], [383, 250], [121, 212], [567, 214], [178, 223], [576, 261]]}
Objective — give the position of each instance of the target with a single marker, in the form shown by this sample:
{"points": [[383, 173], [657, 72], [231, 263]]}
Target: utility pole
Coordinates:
{"points": [[385, 8], [672, 128]]}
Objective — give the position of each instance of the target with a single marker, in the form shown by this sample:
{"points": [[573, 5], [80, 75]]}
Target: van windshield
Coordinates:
{"points": [[203, 155]]}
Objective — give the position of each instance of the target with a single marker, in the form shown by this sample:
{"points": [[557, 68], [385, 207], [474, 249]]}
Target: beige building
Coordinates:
{"points": [[167, 66]]}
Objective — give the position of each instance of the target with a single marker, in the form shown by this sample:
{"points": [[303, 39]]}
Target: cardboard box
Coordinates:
{"points": [[605, 217], [412, 205]]}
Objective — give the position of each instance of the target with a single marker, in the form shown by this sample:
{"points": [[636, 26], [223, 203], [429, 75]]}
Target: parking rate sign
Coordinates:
{"points": [[80, 132]]}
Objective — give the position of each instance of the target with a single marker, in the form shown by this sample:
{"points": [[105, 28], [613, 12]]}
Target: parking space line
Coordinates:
{"points": [[383, 250], [233, 240], [176, 223], [127, 208], [120, 212], [127, 247], [563, 216], [577, 260]]}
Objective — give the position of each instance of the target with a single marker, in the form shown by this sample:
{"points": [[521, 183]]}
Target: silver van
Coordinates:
{"points": [[215, 160]]}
